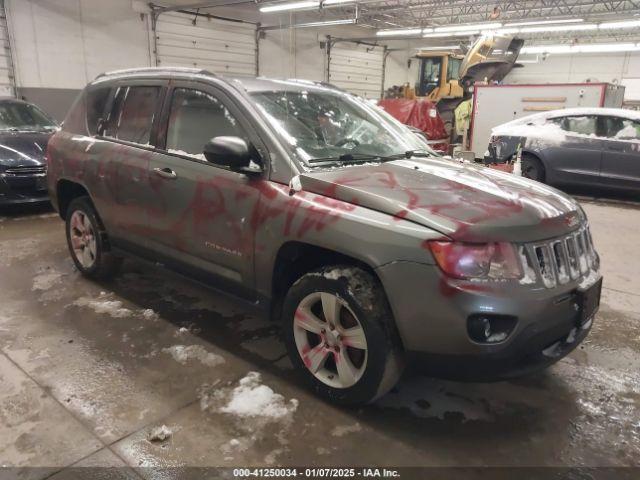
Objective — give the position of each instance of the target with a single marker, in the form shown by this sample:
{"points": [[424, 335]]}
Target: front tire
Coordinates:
{"points": [[532, 168], [86, 240], [340, 335]]}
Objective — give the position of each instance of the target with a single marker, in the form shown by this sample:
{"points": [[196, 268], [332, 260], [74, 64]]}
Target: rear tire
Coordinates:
{"points": [[87, 241], [532, 168], [340, 335]]}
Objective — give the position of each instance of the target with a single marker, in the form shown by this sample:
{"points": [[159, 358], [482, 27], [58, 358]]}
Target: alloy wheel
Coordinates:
{"points": [[83, 239], [330, 340]]}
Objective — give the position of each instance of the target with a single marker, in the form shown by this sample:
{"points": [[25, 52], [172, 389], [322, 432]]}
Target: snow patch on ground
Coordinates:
{"points": [[342, 430], [253, 399], [159, 434], [149, 314], [112, 308], [185, 353], [45, 281], [103, 304], [256, 410]]}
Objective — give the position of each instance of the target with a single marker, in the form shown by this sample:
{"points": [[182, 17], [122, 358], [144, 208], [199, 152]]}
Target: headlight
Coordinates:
{"points": [[490, 261]]}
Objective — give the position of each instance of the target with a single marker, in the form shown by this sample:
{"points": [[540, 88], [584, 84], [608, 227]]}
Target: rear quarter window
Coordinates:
{"points": [[96, 104], [76, 120]]}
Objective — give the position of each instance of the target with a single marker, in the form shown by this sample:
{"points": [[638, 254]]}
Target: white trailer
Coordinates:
{"points": [[494, 105]]}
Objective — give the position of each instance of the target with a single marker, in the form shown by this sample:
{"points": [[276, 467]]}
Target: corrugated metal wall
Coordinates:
{"points": [[357, 68], [7, 85], [220, 46]]}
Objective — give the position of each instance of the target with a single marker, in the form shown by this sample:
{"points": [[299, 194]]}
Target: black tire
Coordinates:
{"points": [[532, 168], [104, 263], [365, 300]]}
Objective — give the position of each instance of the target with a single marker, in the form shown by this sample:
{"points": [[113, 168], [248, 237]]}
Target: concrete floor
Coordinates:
{"points": [[88, 370]]}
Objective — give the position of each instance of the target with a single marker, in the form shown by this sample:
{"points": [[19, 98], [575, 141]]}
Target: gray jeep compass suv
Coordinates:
{"points": [[337, 220]]}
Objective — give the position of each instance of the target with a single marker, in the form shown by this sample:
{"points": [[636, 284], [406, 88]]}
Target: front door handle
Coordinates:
{"points": [[165, 173]]}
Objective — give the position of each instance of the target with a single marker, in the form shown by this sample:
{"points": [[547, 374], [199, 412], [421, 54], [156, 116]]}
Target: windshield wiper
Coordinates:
{"points": [[363, 157], [408, 154], [346, 158]]}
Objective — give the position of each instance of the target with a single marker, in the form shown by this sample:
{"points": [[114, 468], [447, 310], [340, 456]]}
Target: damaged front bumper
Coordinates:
{"points": [[433, 314]]}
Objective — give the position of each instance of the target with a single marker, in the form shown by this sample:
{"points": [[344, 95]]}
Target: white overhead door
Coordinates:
{"points": [[357, 68], [6, 66], [220, 46]]}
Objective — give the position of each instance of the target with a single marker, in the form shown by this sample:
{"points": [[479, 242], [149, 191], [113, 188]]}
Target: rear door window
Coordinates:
{"points": [[195, 118], [582, 125], [132, 115], [617, 128]]}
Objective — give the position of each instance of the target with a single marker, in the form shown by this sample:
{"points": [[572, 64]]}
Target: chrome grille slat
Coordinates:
{"points": [[561, 260]]}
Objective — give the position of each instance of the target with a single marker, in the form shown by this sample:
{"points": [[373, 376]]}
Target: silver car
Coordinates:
{"points": [[588, 147], [333, 218]]}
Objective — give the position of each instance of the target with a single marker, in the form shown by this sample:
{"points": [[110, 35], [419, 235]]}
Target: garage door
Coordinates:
{"points": [[6, 69], [357, 68], [219, 46]]}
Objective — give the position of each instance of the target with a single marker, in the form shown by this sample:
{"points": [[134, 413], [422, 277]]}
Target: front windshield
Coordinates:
{"points": [[326, 126], [24, 117]]}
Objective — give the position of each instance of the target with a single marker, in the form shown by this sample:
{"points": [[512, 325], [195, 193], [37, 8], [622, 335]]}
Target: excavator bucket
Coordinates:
{"points": [[489, 59]]}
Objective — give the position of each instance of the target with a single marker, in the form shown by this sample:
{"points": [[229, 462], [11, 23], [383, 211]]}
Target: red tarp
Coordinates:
{"points": [[421, 114]]}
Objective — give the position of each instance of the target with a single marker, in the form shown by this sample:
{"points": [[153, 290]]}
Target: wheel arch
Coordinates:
{"points": [[66, 192], [295, 258], [538, 155]]}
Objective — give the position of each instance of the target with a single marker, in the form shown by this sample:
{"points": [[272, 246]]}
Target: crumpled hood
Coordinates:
{"points": [[463, 201], [23, 148]]}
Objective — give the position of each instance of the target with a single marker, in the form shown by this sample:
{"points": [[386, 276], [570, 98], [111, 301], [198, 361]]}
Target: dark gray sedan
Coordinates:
{"points": [[589, 147], [24, 133]]}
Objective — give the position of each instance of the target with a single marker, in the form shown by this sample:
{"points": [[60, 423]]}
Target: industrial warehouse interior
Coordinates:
{"points": [[319, 239]]}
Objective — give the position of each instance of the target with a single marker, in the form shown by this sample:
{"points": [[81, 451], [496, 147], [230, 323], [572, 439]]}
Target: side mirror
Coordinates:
{"points": [[232, 152]]}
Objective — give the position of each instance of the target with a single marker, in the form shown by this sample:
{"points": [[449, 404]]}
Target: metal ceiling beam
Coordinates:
{"points": [[200, 5], [436, 12]]}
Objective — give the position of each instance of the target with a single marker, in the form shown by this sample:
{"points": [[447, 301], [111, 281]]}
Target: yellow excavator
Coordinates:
{"points": [[447, 79]]}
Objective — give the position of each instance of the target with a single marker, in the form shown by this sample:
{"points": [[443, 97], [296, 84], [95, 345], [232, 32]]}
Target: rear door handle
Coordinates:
{"points": [[165, 173]]}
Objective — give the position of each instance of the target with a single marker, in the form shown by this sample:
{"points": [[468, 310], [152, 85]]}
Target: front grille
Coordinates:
{"points": [[560, 260], [25, 171]]}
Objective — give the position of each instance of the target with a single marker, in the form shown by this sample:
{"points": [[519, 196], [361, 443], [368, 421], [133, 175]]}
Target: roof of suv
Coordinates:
{"points": [[250, 84]]}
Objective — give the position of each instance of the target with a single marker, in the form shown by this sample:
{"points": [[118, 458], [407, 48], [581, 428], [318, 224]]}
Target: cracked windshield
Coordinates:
{"points": [[328, 127]]}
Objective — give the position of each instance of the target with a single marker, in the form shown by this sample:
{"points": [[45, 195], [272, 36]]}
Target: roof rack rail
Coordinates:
{"points": [[156, 70]]}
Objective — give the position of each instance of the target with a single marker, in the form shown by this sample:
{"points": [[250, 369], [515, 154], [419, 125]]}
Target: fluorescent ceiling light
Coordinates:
{"points": [[280, 7], [461, 28], [336, 2], [501, 31], [345, 21], [585, 48], [543, 22], [450, 34], [559, 28], [444, 47], [399, 31], [623, 24], [610, 47]]}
